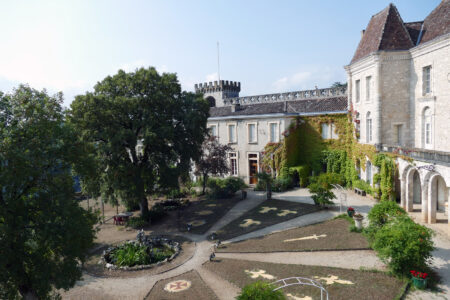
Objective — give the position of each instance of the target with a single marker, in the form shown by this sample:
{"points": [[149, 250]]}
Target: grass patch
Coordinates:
{"points": [[275, 211], [337, 237], [366, 284], [197, 291]]}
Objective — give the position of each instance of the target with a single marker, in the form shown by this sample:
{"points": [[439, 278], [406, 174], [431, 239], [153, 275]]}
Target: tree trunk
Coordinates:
{"points": [[143, 204], [205, 179], [143, 207], [269, 190], [28, 293]]}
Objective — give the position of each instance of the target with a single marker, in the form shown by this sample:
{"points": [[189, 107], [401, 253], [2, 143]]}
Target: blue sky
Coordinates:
{"points": [[269, 46]]}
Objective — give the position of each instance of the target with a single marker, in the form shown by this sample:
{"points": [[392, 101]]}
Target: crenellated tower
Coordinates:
{"points": [[215, 92]]}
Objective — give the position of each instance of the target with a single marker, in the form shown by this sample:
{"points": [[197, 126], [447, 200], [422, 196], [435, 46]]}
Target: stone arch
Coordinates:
{"points": [[404, 187], [413, 188], [212, 101], [437, 196]]}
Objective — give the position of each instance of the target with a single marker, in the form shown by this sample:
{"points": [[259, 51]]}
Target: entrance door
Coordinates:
{"points": [[253, 168]]}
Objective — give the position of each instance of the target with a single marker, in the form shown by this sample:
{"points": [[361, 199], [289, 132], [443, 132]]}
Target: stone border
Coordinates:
{"points": [[165, 242]]}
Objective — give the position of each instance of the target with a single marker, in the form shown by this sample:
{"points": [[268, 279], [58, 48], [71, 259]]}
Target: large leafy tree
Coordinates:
{"points": [[44, 233], [213, 160], [146, 131]]}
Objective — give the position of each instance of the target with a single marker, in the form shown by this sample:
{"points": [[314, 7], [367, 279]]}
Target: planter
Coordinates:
{"points": [[419, 283], [358, 221], [350, 213]]}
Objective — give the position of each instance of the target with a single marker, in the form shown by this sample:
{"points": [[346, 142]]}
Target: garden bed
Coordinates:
{"points": [[330, 235], [268, 213], [189, 286], [203, 214], [342, 283], [95, 267]]}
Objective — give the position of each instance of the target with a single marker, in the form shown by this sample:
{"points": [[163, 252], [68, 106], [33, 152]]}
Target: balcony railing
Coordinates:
{"points": [[419, 154]]}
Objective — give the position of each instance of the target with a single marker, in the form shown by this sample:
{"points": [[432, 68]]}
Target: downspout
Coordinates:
{"points": [[377, 135]]}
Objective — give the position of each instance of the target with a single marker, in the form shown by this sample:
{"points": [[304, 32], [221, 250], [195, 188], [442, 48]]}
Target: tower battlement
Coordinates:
{"points": [[218, 86]]}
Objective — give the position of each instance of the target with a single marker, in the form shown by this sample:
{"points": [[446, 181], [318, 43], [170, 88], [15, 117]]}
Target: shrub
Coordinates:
{"points": [[321, 194], [404, 245], [136, 222], [260, 186], [260, 290], [383, 212], [130, 255], [281, 184], [303, 173], [362, 185], [225, 188], [327, 179]]}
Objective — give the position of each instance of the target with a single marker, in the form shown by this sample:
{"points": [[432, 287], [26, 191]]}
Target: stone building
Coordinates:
{"points": [[247, 124], [399, 91]]}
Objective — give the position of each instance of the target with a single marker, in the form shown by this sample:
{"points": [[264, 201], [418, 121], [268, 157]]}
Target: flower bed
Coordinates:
{"points": [[140, 254]]}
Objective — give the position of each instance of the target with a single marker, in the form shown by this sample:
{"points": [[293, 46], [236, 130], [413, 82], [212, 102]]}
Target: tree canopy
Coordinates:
{"points": [[44, 233], [146, 131]]}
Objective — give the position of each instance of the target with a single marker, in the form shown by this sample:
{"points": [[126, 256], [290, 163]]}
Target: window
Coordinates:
{"points": [[328, 131], [368, 128], [334, 134], [325, 131], [213, 130], [427, 127], [426, 78], [273, 133], [357, 90], [251, 131], [233, 163], [368, 80], [232, 133], [399, 134], [369, 177]]}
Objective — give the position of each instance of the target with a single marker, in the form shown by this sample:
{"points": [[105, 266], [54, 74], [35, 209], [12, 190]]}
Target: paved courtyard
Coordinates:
{"points": [[195, 275]]}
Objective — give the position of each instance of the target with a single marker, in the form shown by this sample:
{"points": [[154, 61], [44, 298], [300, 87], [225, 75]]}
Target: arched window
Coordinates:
{"points": [[211, 101], [369, 177], [427, 127], [368, 128]]}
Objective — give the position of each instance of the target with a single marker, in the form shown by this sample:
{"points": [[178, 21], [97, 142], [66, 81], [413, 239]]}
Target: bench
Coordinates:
{"points": [[360, 192]]}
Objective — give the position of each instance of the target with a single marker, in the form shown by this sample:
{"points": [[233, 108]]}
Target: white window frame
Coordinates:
{"points": [[333, 134], [277, 132], [236, 158], [217, 128], [427, 127], [248, 166], [427, 80], [235, 132], [357, 91], [368, 84], [248, 132], [327, 131], [369, 127]]}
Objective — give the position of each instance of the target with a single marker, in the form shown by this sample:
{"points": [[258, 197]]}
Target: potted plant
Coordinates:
{"points": [[419, 279], [358, 220], [350, 211]]}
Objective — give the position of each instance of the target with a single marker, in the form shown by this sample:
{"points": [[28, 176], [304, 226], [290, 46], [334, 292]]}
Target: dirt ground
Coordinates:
{"points": [[351, 284], [267, 213], [330, 235], [198, 290]]}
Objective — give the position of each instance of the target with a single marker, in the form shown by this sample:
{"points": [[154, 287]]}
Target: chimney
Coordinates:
{"points": [[235, 107], [362, 32]]}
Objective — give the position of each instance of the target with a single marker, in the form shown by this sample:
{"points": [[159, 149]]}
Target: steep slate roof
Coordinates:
{"points": [[437, 23], [414, 30], [297, 106], [385, 31]]}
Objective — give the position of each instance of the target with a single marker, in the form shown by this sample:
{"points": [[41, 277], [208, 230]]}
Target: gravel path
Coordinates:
{"points": [[339, 259]]}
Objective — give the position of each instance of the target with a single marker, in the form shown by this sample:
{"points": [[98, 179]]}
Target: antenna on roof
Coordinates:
{"points": [[218, 61]]}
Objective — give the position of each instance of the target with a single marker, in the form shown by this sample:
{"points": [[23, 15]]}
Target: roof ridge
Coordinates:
{"points": [[384, 25]]}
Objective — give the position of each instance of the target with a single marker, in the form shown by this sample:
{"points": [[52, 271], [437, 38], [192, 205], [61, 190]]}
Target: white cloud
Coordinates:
{"points": [[212, 77], [321, 77]]}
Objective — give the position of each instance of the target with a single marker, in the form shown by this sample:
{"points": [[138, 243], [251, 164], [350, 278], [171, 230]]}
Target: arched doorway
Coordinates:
{"points": [[397, 184], [417, 188], [438, 195]]}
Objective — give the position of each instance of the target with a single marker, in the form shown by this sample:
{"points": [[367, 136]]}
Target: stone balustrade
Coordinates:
{"points": [[431, 156], [297, 95]]}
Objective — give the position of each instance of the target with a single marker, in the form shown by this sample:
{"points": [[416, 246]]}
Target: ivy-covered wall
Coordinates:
{"points": [[303, 146]]}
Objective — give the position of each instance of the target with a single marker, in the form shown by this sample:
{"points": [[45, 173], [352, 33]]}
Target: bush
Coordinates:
{"points": [[136, 222], [404, 245], [130, 255], [362, 185], [225, 188], [260, 290], [260, 186], [321, 194], [327, 179], [281, 184], [303, 173], [383, 212]]}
